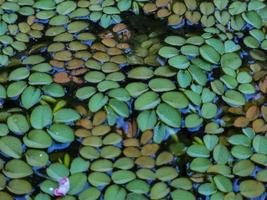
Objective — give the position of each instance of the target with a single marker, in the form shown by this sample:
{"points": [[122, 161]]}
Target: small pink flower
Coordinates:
{"points": [[64, 186]]}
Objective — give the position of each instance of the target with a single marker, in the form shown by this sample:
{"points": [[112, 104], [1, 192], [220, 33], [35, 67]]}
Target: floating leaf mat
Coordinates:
{"points": [[133, 99]]}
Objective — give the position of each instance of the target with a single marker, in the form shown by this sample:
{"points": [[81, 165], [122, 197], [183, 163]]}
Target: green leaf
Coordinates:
{"points": [[77, 183], [209, 54], [41, 116], [146, 120], [168, 52], [79, 165], [179, 62], [91, 193], [260, 144], [251, 188], [208, 110], [30, 97], [221, 154], [193, 121], [124, 5], [119, 107], [61, 133], [182, 195], [17, 169], [197, 150], [200, 165], [66, 115], [147, 100], [57, 171], [97, 101], [234, 98], [243, 168], [210, 141], [18, 124], [115, 192], [223, 183], [169, 115], [207, 189], [159, 190]]}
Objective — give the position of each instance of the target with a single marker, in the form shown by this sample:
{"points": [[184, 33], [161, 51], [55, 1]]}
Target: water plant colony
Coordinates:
{"points": [[133, 99]]}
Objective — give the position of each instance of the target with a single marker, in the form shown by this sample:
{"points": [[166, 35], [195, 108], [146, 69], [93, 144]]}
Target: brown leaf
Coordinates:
{"points": [[149, 149], [109, 42], [252, 113], [146, 137], [132, 129], [81, 132], [61, 77], [163, 12], [131, 142], [149, 7], [132, 152], [85, 123], [99, 47], [264, 112], [259, 126], [78, 72], [81, 110], [237, 111], [99, 118], [241, 122], [263, 85], [162, 3], [75, 63], [56, 63], [123, 46], [77, 80], [101, 130], [119, 27], [145, 162]]}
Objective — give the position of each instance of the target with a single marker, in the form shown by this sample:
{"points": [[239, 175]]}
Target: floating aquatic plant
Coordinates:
{"points": [[133, 99]]}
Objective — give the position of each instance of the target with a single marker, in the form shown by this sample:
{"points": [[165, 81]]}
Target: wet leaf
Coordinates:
{"points": [[221, 154], [197, 150], [30, 97], [119, 107], [90, 194], [146, 120], [159, 190], [61, 133], [66, 115], [41, 116], [251, 188], [57, 171], [180, 194], [97, 101], [11, 146], [169, 115], [122, 176], [243, 168], [234, 98], [209, 54], [99, 179], [17, 169], [223, 183], [115, 191], [77, 183], [147, 100], [260, 144], [18, 124], [19, 186]]}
